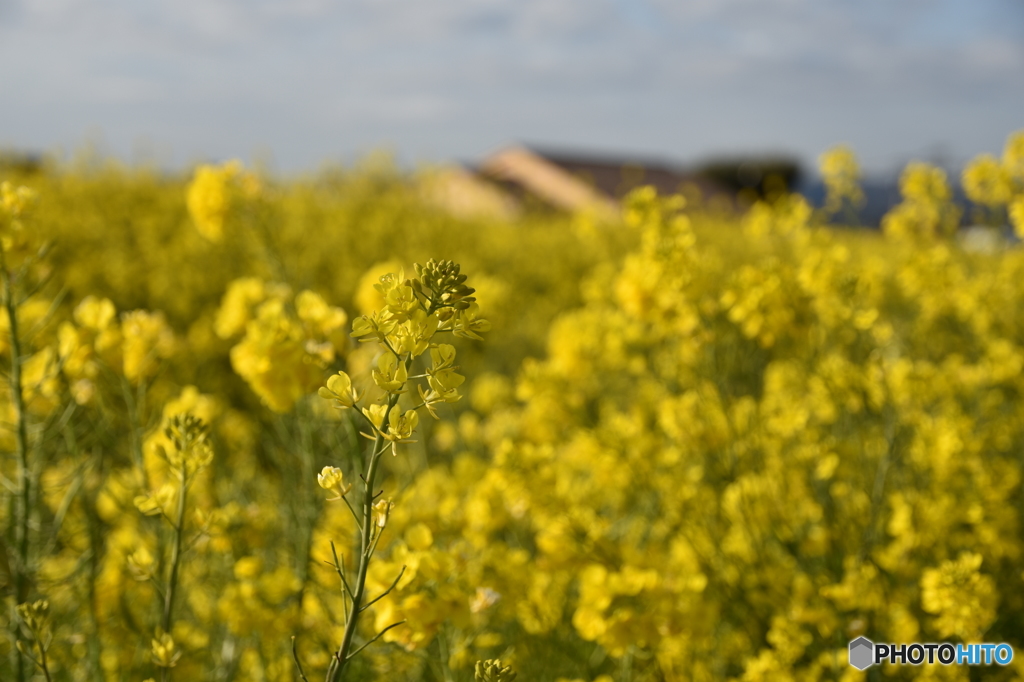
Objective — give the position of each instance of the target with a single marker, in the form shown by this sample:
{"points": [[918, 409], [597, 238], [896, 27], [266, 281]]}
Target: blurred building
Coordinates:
{"points": [[466, 195], [518, 177], [572, 181]]}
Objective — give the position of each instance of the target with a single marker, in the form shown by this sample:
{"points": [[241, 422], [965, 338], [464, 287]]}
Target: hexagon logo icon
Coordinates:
{"points": [[862, 653]]}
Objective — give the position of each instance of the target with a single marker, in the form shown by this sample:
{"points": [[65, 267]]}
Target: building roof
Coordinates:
{"points": [[573, 181], [546, 180]]}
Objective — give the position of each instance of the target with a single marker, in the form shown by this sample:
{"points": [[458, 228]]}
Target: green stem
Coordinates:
{"points": [[298, 663], [42, 663], [172, 580], [95, 531], [366, 541], [134, 410], [21, 581], [306, 509]]}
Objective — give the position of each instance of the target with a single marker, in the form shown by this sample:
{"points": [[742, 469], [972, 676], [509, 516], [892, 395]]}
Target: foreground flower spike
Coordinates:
{"points": [[415, 310], [492, 671], [187, 450]]}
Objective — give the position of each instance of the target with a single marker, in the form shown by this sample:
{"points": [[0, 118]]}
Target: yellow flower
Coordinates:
{"points": [[987, 182], [923, 182], [445, 385], [283, 352], [375, 413], [413, 336], [209, 197], [430, 400], [95, 313], [1013, 155], [163, 650], [141, 564], [160, 502], [962, 598], [441, 378], [314, 311], [368, 297], [442, 356], [841, 173], [927, 209], [248, 568], [399, 299], [1017, 215], [14, 202], [381, 512], [40, 381], [339, 389], [390, 374], [236, 307], [468, 325], [333, 479], [378, 324], [400, 427], [147, 340]]}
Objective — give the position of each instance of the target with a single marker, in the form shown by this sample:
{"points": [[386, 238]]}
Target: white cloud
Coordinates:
{"points": [[472, 73], [995, 56]]}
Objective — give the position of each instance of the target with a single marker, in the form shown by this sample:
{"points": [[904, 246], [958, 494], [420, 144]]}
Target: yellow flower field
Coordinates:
{"points": [[268, 430]]}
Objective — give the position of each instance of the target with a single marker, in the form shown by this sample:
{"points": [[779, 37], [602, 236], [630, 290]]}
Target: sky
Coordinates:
{"points": [[300, 83]]}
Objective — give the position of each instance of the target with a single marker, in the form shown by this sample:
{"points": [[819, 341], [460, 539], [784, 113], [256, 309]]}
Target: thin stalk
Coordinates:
{"points": [[172, 580], [21, 581], [132, 403], [96, 542], [385, 592], [41, 661], [42, 664], [442, 647], [306, 510], [366, 541], [375, 638], [95, 534], [295, 655]]}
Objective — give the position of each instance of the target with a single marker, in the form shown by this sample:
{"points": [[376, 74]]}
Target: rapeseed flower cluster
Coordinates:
{"points": [[927, 211], [841, 174], [695, 446], [214, 194], [286, 342], [999, 183]]}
